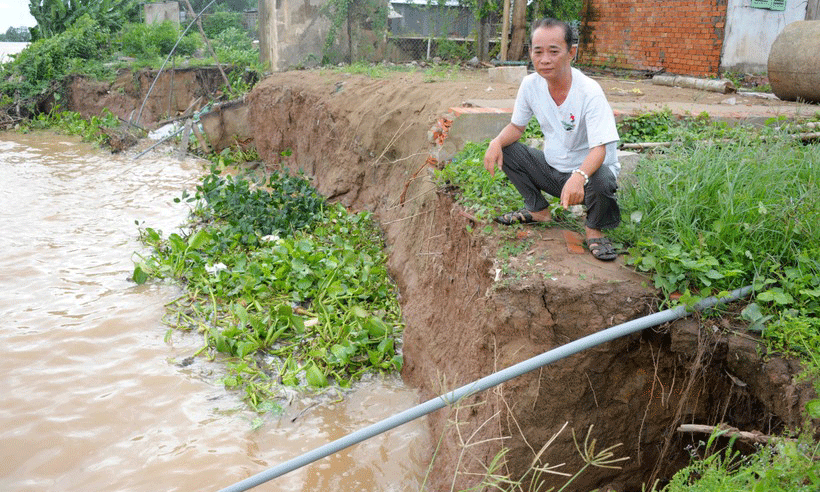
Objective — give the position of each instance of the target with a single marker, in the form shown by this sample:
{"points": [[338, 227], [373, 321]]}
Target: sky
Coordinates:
{"points": [[14, 13]]}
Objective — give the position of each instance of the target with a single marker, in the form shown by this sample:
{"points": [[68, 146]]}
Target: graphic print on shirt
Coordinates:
{"points": [[569, 125]]}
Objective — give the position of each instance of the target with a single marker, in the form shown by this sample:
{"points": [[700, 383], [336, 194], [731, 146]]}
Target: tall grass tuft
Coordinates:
{"points": [[715, 216]]}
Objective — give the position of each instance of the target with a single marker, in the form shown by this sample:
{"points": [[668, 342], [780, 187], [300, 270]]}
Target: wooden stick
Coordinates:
{"points": [[754, 437], [645, 145]]}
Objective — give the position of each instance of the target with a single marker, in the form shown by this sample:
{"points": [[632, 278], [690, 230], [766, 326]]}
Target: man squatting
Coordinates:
{"points": [[579, 162]]}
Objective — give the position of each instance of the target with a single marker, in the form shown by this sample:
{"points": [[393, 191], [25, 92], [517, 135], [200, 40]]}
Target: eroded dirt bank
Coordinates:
{"points": [[143, 96], [365, 141], [471, 309]]}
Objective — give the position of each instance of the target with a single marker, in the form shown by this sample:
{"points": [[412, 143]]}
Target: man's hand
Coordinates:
{"points": [[493, 158], [573, 191]]}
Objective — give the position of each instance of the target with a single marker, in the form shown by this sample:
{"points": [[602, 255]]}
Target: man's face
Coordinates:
{"points": [[550, 54]]}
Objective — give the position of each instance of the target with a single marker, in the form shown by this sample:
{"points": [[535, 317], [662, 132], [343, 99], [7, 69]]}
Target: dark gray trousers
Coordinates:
{"points": [[530, 174]]}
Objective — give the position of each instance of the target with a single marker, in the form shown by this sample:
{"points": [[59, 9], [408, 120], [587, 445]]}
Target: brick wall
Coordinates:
{"points": [[683, 37]]}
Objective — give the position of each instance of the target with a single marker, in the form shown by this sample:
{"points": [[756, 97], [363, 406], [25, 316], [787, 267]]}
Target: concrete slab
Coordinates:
{"points": [[472, 124], [740, 112], [506, 104], [507, 75]]}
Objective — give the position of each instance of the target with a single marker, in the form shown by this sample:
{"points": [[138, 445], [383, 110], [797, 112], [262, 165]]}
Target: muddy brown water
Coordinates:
{"points": [[94, 398]]}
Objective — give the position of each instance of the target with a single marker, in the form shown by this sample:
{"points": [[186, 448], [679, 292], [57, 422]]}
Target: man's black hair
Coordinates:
{"points": [[549, 22]]}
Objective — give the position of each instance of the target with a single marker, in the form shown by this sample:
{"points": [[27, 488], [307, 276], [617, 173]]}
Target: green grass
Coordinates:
{"points": [[482, 195], [786, 465], [707, 218], [432, 72]]}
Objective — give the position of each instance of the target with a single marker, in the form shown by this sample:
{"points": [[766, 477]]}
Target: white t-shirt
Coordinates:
{"points": [[583, 121]]}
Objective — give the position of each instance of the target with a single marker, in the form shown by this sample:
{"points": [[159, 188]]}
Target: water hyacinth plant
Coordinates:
{"points": [[292, 288]]}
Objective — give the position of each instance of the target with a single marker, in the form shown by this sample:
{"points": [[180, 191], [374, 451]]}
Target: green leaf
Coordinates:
{"points": [[810, 292], [751, 312], [241, 313], [375, 327], [777, 296], [386, 346], [342, 353], [315, 377], [274, 335], [813, 408], [197, 240], [139, 276], [177, 243], [245, 348], [374, 357]]}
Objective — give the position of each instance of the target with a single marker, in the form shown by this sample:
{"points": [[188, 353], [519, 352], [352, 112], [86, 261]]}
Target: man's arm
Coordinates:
{"points": [[573, 191], [493, 158]]}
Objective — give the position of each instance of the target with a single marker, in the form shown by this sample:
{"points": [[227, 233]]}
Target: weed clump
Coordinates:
{"points": [[710, 217]]}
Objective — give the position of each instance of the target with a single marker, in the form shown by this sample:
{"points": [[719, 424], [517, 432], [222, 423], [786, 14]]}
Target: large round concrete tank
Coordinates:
{"points": [[794, 62]]}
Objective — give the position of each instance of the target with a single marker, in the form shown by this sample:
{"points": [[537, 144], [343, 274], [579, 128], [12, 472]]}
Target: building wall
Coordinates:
{"points": [[813, 10], [682, 37], [156, 13], [750, 33], [291, 32]]}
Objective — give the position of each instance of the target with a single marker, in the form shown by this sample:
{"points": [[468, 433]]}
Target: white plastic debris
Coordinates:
{"points": [[163, 131], [215, 268]]}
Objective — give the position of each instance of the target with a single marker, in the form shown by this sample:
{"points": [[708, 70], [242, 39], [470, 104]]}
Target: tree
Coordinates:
{"points": [[566, 10], [519, 30], [225, 5], [16, 34], [486, 11], [55, 16]]}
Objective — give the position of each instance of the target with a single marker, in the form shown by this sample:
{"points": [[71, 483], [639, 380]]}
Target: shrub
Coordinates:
{"points": [[234, 47], [148, 41], [453, 50], [219, 22], [49, 59]]}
